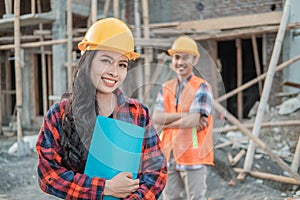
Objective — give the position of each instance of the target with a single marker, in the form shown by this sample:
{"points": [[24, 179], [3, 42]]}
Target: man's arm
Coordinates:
{"points": [[163, 118], [190, 120]]}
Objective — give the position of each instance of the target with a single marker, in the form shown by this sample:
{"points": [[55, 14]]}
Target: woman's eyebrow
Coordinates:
{"points": [[107, 57]]}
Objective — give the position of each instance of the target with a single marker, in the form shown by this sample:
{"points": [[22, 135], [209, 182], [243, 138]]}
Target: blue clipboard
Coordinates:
{"points": [[115, 147]]}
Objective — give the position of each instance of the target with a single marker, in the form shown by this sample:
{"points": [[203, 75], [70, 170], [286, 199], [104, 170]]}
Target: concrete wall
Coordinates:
{"points": [[292, 49], [178, 10]]}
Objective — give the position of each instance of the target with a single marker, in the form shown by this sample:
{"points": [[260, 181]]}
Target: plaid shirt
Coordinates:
{"points": [[55, 179], [202, 103]]}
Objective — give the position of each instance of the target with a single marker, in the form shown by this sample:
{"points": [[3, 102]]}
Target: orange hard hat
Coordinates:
{"points": [[109, 34], [184, 44]]}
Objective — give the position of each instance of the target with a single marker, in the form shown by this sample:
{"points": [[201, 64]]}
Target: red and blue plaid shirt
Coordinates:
{"points": [[57, 180]]}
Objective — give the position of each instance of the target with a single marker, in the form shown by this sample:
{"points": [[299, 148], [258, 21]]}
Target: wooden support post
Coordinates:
{"points": [[94, 9], [296, 159], [70, 40], [213, 52], [239, 79], [116, 8], [256, 61], [138, 35], [33, 7], [106, 8], [18, 67], [258, 142], [267, 86], [155, 75], [123, 11], [50, 80], [253, 81], [8, 85], [264, 51], [272, 177], [8, 7], [44, 70], [148, 51], [1, 98]]}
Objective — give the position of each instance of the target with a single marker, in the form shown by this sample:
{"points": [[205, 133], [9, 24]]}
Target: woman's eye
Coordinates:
{"points": [[105, 61], [123, 65]]}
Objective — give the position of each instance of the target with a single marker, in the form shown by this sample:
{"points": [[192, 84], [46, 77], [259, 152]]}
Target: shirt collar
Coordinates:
{"points": [[186, 80], [121, 98]]}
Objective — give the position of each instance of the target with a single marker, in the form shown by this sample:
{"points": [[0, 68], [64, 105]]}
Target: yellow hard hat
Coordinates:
{"points": [[184, 44], [109, 34]]}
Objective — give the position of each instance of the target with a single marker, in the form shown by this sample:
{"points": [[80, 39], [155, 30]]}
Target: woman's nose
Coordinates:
{"points": [[113, 69]]}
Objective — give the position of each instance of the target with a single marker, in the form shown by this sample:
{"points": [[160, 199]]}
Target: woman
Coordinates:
{"points": [[67, 129]]}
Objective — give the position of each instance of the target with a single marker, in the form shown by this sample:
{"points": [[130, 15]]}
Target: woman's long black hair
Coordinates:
{"points": [[80, 116]]}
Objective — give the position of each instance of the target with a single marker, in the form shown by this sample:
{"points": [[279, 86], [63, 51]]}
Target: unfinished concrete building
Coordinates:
{"points": [[238, 35]]}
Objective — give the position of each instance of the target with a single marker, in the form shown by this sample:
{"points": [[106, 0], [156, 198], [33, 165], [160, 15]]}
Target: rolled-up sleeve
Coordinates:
{"points": [[202, 103]]}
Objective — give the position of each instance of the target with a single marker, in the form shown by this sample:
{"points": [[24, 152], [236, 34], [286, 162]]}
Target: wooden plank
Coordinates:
{"points": [[292, 84], [256, 61], [43, 60], [151, 42], [253, 81], [227, 143], [264, 124], [237, 157], [106, 8], [164, 43], [27, 20], [116, 8], [70, 38], [242, 33], [50, 79], [267, 85], [232, 22], [94, 9], [8, 7], [296, 159], [8, 85], [239, 78], [33, 7], [272, 177], [18, 70], [148, 50], [233, 120], [1, 97], [264, 51]]}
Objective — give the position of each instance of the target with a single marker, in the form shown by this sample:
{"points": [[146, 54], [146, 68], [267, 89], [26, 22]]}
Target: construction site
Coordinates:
{"points": [[250, 52]]}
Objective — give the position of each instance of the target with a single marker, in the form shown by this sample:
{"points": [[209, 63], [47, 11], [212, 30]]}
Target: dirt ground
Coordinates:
{"points": [[18, 179]]}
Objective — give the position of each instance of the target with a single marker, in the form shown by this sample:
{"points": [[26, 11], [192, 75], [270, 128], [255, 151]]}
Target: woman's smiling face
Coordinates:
{"points": [[108, 71]]}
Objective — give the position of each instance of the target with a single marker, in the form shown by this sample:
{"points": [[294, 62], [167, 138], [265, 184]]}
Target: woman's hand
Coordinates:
{"points": [[121, 186]]}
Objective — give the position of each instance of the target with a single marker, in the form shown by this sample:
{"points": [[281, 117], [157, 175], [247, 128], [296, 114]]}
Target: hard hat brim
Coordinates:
{"points": [[172, 52], [84, 46]]}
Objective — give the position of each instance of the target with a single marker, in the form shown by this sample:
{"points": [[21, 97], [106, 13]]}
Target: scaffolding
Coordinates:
{"points": [[46, 21]]}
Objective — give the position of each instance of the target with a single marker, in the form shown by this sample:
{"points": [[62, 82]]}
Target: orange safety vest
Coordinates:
{"points": [[189, 146]]}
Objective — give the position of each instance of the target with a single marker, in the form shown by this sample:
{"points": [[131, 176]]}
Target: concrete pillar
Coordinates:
{"points": [[59, 31], [292, 49], [27, 88]]}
